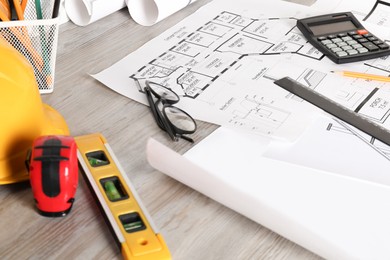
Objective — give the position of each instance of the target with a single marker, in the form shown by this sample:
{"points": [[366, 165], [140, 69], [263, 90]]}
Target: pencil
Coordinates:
{"points": [[44, 47], [362, 75]]}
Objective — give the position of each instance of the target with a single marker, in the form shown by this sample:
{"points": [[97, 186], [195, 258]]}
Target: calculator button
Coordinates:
{"points": [[362, 50], [346, 38], [351, 33], [356, 37], [341, 44], [356, 46], [368, 35], [325, 42], [346, 47], [341, 53], [336, 40], [362, 31], [352, 52], [331, 45], [372, 38], [321, 38], [383, 46], [362, 40], [337, 49], [370, 46], [352, 42], [332, 36], [378, 42]]}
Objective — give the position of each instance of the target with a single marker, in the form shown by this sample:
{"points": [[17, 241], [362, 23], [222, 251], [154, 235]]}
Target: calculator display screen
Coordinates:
{"points": [[330, 28]]}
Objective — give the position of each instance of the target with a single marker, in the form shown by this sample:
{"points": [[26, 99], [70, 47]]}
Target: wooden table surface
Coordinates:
{"points": [[194, 226]]}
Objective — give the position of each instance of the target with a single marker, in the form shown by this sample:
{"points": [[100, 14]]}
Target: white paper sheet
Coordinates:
{"points": [[222, 62], [329, 146], [361, 9], [84, 12], [381, 14], [149, 12], [218, 81], [334, 216]]}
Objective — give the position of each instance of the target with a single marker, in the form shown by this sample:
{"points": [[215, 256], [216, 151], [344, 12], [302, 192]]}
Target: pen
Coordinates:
{"points": [[56, 8], [18, 33], [46, 65], [19, 10], [23, 4], [5, 11], [38, 9], [362, 75]]}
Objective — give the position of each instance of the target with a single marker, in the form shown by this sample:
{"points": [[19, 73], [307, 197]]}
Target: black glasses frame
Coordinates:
{"points": [[160, 115]]}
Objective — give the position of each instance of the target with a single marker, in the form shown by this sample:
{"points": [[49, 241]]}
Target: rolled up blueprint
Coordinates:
{"points": [[84, 12], [149, 12]]}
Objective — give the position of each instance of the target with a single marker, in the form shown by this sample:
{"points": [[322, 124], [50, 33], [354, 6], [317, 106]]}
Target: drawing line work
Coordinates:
{"points": [[217, 46], [220, 64]]}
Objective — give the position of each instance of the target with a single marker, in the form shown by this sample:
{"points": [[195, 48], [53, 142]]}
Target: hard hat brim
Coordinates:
{"points": [[14, 170]]}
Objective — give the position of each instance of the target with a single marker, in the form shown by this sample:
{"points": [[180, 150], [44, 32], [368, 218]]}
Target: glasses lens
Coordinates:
{"points": [[180, 119], [163, 92]]}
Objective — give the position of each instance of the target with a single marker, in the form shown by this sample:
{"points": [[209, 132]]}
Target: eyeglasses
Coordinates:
{"points": [[176, 122]]}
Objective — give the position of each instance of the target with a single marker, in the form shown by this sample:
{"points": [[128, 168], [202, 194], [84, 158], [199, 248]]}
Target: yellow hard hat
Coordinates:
{"points": [[23, 116]]}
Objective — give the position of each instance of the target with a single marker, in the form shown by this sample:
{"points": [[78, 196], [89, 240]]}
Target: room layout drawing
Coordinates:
{"points": [[204, 55], [230, 50]]}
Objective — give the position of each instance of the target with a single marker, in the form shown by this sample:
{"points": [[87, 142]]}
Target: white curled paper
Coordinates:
{"points": [[149, 12], [84, 12]]}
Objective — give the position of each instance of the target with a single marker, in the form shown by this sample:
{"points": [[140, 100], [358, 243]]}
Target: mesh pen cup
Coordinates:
{"points": [[36, 38]]}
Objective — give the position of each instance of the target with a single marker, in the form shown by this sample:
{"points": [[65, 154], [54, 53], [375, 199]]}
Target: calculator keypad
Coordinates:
{"points": [[352, 43]]}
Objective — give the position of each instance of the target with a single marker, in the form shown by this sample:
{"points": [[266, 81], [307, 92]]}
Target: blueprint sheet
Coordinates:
{"points": [[372, 11], [223, 59]]}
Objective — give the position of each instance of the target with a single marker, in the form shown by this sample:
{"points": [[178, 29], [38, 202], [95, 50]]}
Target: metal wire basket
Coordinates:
{"points": [[36, 39]]}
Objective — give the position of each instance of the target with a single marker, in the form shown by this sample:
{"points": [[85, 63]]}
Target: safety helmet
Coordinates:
{"points": [[23, 116]]}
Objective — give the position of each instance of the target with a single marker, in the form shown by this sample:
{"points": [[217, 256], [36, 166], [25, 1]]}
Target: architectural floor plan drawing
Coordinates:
{"points": [[225, 40], [260, 112], [228, 42], [227, 48], [222, 62]]}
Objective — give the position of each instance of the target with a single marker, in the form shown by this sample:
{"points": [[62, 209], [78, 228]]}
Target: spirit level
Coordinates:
{"points": [[121, 205]]}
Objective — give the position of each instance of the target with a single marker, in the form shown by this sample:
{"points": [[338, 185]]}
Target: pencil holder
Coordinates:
{"points": [[36, 37]]}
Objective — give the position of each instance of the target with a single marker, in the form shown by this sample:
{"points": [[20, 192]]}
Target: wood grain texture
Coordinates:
{"points": [[194, 226]]}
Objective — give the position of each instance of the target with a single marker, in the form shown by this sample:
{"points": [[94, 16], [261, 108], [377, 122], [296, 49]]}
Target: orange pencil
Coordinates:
{"points": [[363, 75]]}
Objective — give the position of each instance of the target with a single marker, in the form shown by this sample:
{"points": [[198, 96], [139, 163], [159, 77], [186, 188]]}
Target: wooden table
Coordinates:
{"points": [[194, 226]]}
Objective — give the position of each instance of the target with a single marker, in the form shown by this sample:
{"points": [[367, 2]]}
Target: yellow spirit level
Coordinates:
{"points": [[122, 207]]}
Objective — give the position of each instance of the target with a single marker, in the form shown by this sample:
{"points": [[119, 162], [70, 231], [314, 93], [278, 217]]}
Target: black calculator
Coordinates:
{"points": [[342, 38]]}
